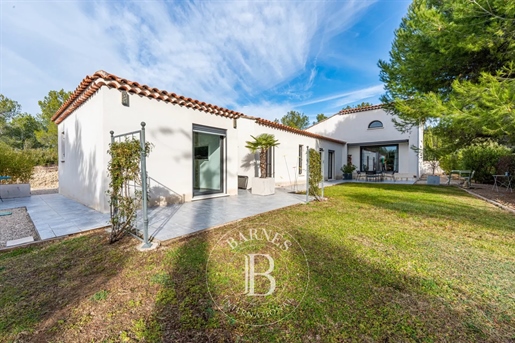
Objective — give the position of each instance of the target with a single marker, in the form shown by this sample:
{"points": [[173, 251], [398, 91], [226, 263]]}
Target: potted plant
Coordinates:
{"points": [[264, 184], [347, 171]]}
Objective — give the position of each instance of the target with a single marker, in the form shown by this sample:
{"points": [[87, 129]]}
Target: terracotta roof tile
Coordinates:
{"points": [[361, 109], [282, 127], [351, 110], [91, 84]]}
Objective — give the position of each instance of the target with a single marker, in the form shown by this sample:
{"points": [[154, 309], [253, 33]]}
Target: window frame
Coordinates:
{"points": [[370, 127]]}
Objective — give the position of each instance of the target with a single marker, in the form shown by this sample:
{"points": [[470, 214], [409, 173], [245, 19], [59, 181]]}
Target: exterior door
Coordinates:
{"points": [[208, 160], [330, 166]]}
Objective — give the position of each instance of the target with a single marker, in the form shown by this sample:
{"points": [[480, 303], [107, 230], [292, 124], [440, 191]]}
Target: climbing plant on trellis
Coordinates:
{"points": [[125, 196]]}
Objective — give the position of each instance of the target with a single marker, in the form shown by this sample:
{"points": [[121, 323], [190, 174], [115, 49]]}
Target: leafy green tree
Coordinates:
{"points": [[8, 109], [452, 62], [262, 143], [483, 158], [363, 104], [320, 117], [47, 135], [295, 119], [19, 132]]}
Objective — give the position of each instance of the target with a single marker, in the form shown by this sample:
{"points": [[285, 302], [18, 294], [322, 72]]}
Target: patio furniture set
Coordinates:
{"points": [[505, 180], [465, 177], [375, 176]]}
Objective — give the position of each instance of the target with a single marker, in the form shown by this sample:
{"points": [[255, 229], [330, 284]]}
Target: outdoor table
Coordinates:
{"points": [[374, 176], [502, 180], [460, 173], [1, 179]]}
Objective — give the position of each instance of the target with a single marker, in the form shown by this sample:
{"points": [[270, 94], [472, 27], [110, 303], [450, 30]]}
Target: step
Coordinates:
{"points": [[19, 241]]}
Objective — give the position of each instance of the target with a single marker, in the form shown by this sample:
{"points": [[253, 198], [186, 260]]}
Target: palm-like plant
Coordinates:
{"points": [[262, 143]]}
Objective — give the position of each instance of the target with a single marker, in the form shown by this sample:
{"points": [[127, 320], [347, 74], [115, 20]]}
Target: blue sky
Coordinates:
{"points": [[262, 58]]}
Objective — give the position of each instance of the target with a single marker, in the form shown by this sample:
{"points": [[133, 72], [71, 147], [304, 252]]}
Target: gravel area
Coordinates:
{"points": [[502, 196], [17, 225]]}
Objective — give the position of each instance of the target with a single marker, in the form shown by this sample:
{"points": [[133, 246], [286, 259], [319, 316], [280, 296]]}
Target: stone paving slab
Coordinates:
{"points": [[19, 241], [178, 220], [55, 215]]}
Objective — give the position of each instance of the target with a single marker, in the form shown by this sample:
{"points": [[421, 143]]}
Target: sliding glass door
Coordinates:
{"points": [[380, 158], [208, 160]]}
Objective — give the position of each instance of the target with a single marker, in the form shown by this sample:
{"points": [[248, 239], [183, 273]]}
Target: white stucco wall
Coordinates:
{"points": [[170, 129], [85, 142], [286, 154], [82, 174], [353, 128]]}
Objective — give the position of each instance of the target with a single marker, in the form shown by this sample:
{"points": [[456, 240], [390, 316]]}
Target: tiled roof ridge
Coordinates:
{"points": [[91, 83], [349, 111], [279, 126], [361, 109]]}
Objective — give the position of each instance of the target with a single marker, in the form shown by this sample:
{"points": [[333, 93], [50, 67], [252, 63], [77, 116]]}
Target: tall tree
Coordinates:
{"points": [[452, 62], [295, 119], [363, 104], [320, 117], [8, 108], [19, 132], [47, 135]]}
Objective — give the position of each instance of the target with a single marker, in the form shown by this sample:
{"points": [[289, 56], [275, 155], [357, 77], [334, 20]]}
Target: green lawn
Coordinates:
{"points": [[387, 263]]}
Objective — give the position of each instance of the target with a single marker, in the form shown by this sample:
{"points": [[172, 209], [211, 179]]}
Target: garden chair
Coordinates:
{"points": [[390, 175], [359, 175], [467, 180]]}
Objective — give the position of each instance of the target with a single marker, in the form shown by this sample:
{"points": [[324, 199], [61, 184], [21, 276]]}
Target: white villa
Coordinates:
{"points": [[373, 142], [199, 149]]}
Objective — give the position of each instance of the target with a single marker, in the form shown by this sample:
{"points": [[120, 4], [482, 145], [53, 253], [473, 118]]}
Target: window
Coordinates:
{"points": [[376, 124], [300, 159], [380, 158]]}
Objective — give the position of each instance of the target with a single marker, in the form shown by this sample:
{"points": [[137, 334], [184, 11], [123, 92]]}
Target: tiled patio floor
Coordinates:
{"points": [[55, 215], [182, 219]]}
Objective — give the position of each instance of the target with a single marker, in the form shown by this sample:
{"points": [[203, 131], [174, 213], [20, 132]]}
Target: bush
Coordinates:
{"points": [[17, 164], [483, 158], [43, 157], [315, 173], [451, 162]]}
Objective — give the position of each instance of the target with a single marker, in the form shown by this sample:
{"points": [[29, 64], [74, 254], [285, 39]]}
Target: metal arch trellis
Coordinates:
{"points": [[144, 180]]}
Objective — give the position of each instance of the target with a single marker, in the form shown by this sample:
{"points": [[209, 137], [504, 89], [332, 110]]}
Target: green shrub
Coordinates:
{"points": [[483, 158], [17, 164], [43, 157], [451, 162], [315, 173]]}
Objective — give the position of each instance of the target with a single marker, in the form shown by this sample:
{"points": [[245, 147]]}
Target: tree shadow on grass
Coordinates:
{"points": [[352, 298], [41, 285]]}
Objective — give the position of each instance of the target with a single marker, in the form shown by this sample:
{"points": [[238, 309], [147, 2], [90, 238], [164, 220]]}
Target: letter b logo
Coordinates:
{"points": [[250, 274]]}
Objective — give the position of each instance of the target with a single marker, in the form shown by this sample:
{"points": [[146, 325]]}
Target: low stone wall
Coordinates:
{"points": [[15, 191]]}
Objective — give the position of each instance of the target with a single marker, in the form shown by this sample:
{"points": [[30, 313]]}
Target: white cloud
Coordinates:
{"points": [[227, 53], [266, 110], [340, 99]]}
